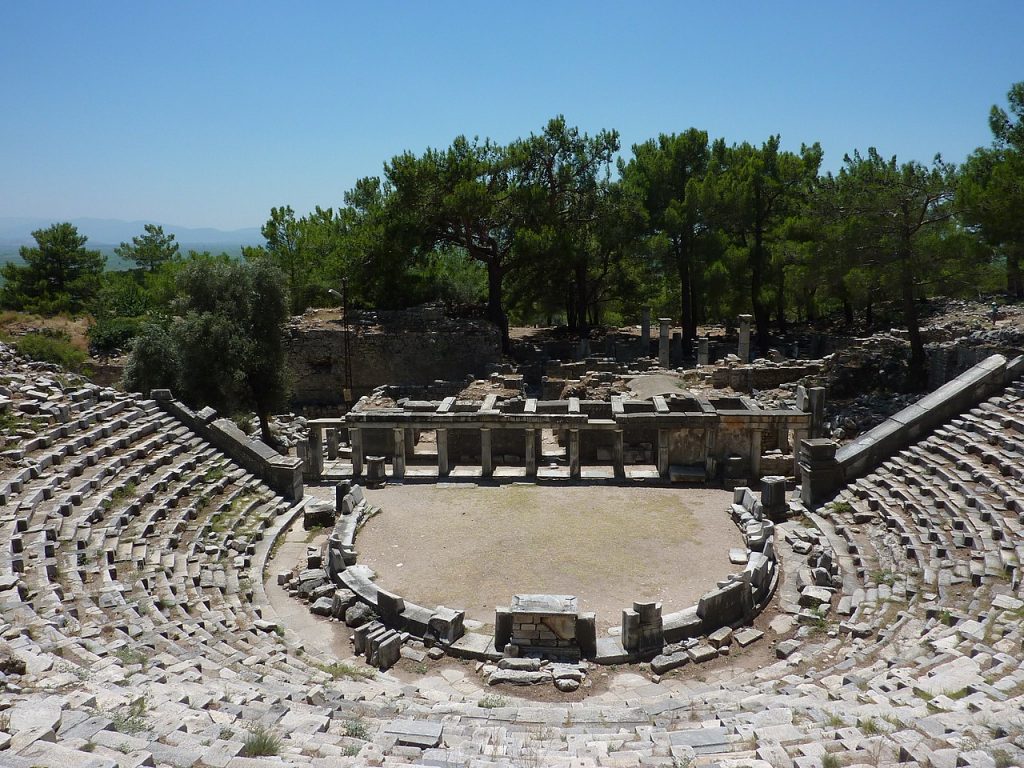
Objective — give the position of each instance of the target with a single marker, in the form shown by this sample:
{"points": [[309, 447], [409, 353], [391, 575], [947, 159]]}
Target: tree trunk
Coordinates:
{"points": [[917, 376], [762, 317], [581, 298], [780, 300], [495, 310], [265, 434], [1014, 282], [685, 297]]}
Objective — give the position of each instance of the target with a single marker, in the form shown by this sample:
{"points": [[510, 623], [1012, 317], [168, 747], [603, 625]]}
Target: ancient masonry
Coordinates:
{"points": [[136, 629]]}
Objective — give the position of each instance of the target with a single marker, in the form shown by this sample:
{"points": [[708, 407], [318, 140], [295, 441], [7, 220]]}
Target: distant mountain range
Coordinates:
{"points": [[106, 234], [16, 231]]}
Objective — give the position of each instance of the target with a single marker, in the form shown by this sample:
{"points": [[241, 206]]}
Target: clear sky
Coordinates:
{"points": [[208, 113]]}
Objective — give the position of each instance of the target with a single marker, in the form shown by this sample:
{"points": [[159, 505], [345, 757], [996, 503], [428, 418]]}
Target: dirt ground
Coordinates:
{"points": [[474, 547]]}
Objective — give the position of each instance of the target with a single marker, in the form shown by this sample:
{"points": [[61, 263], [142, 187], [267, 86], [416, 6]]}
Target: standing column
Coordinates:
{"points": [[663, 341], [530, 454], [645, 331], [663, 435], [710, 461], [755, 455], [486, 464], [617, 451], [816, 401], [703, 354], [399, 462], [574, 453], [355, 441], [332, 443], [442, 452], [316, 452], [744, 350]]}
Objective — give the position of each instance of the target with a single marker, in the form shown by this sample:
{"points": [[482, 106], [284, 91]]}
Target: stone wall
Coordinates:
{"points": [[385, 348], [282, 473]]}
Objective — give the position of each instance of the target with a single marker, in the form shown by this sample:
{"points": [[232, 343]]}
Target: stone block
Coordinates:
{"points": [[390, 607], [726, 606], [446, 625]]}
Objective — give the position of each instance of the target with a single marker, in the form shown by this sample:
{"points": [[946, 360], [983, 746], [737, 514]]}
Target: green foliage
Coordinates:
{"points": [[150, 250], [356, 729], [59, 274], [225, 347], [110, 335], [261, 742], [50, 346], [133, 719], [154, 362]]}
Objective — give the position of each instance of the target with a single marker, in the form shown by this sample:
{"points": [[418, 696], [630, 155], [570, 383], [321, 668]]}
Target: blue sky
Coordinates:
{"points": [[209, 113]]}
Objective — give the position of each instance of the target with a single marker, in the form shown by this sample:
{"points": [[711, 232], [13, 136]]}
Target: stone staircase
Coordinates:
{"points": [[135, 629]]}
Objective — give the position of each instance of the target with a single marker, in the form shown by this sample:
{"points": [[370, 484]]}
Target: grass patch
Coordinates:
{"points": [[869, 727], [842, 508], [133, 719], [356, 729], [214, 474], [261, 742], [343, 670], [51, 346], [492, 701], [129, 656]]}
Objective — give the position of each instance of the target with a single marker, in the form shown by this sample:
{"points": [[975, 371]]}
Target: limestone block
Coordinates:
{"points": [[726, 606]]}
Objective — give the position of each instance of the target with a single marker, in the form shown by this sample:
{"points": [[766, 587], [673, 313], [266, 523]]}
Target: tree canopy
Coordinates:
{"points": [[59, 274], [559, 227], [224, 347]]}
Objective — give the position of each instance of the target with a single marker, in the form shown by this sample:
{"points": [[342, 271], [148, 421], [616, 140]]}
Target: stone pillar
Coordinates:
{"points": [[399, 462], [574, 453], [645, 331], [710, 462], [663, 435], [617, 457], [332, 444], [773, 496], [316, 452], [816, 396], [799, 436], [355, 440], [530, 453], [755, 455], [441, 435], [782, 438], [486, 464], [703, 354], [341, 490], [744, 349], [820, 473], [676, 348], [410, 443], [663, 341]]}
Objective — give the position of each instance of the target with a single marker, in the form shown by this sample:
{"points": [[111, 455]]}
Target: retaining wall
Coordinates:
{"points": [[282, 473]]}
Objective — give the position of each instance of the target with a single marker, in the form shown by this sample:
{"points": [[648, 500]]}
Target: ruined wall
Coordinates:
{"points": [[415, 347]]}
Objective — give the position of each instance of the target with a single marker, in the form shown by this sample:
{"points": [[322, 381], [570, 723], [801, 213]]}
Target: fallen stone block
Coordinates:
{"points": [[517, 677]]}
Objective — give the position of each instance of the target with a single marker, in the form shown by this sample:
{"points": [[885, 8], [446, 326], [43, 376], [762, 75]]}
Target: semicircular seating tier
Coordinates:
{"points": [[135, 629]]}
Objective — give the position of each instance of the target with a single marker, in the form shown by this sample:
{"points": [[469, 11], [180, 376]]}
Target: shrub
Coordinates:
{"points": [[51, 347], [108, 335]]}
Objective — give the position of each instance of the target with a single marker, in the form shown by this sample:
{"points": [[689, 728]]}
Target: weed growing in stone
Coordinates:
{"points": [[492, 701], [341, 669], [356, 729], [261, 742], [133, 719]]}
